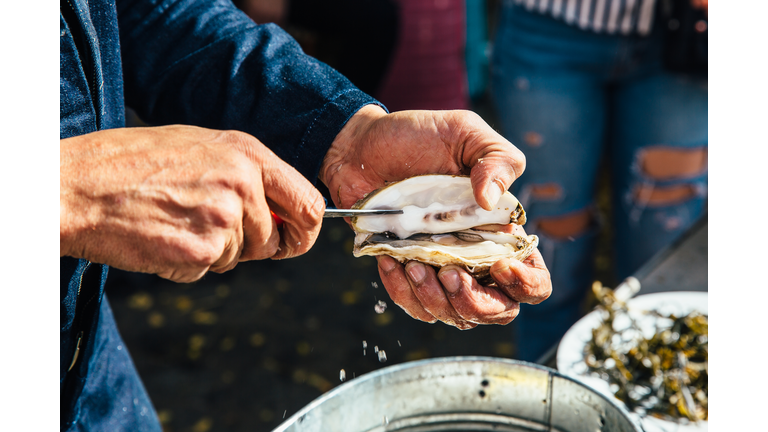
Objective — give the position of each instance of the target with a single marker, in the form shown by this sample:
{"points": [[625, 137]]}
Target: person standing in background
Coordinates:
{"points": [[428, 69], [414, 59], [580, 83]]}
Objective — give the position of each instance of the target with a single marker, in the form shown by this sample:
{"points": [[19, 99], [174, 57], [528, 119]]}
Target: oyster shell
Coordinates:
{"points": [[441, 224]]}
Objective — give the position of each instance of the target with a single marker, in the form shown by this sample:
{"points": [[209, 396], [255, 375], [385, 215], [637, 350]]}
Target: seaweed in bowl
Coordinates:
{"points": [[663, 373]]}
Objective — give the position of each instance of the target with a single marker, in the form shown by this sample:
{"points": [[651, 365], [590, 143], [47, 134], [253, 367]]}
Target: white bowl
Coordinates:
{"points": [[570, 352]]}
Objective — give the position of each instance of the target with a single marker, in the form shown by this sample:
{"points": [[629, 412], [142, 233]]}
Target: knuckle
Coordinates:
{"points": [[519, 161], [311, 207], [472, 117], [205, 252], [272, 246], [540, 291], [315, 207], [184, 276], [243, 148], [462, 325], [397, 300], [237, 138], [204, 256], [223, 212], [509, 317], [512, 314]]}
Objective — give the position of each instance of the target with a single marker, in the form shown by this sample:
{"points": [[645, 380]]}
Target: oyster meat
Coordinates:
{"points": [[441, 224]]}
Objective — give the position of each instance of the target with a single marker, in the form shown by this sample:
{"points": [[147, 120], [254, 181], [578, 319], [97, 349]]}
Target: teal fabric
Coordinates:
{"points": [[477, 47]]}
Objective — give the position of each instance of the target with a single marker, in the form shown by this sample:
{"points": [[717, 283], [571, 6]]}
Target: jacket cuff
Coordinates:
{"points": [[323, 130]]}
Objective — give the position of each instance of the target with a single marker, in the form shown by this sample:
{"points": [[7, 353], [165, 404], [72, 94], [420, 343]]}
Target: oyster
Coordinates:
{"points": [[441, 224]]}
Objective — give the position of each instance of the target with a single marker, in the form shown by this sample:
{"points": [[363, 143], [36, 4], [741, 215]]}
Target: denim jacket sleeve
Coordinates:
{"points": [[205, 63]]}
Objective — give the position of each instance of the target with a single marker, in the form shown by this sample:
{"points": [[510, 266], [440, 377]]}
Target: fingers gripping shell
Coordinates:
{"points": [[439, 225]]}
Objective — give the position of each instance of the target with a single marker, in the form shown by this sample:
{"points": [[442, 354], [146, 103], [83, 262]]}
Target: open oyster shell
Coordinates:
{"points": [[439, 225]]}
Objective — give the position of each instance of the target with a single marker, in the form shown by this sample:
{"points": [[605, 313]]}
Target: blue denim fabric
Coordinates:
{"points": [[117, 399], [82, 291], [567, 98], [196, 62]]}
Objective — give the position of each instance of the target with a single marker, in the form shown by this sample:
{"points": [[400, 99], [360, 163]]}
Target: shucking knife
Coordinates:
{"points": [[336, 213]]}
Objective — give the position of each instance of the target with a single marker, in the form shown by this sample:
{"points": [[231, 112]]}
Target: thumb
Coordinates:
{"points": [[495, 163], [297, 203]]}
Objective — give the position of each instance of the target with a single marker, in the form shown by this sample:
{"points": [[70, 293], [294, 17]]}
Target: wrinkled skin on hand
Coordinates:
{"points": [[375, 148], [178, 201]]}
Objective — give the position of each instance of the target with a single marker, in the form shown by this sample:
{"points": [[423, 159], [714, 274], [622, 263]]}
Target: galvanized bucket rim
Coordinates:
{"points": [[361, 380]]}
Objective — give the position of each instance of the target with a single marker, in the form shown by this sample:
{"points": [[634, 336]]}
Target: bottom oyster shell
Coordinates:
{"points": [[440, 250]]}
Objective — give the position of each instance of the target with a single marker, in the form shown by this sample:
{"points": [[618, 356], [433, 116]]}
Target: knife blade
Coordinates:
{"points": [[335, 213]]}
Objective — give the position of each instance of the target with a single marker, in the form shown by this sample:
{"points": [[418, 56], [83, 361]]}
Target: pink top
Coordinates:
{"points": [[428, 68]]}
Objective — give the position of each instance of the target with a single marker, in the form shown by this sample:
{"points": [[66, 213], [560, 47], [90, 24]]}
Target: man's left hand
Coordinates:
{"points": [[375, 148]]}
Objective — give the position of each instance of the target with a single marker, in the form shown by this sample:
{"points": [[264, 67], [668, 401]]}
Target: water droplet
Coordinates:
{"points": [[374, 284], [398, 343], [380, 307], [376, 349], [119, 347], [342, 375], [382, 356]]}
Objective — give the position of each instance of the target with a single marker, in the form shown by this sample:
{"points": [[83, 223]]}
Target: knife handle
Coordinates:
{"points": [[278, 221]]}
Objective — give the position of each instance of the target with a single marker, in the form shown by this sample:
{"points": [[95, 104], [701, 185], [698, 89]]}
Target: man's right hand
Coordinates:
{"points": [[178, 201]]}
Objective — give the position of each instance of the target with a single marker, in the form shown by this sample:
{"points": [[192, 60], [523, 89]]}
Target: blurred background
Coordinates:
{"points": [[245, 350]]}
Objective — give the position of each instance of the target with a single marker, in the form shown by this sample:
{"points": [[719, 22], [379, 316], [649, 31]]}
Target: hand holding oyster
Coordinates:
{"points": [[441, 224], [376, 149]]}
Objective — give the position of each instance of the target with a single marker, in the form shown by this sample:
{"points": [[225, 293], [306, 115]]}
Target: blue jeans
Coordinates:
{"points": [[571, 99]]}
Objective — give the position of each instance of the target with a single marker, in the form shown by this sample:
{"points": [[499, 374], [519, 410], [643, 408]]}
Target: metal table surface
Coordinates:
{"points": [[682, 266]]}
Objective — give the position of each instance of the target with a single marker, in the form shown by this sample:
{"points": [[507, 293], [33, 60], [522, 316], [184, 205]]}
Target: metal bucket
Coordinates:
{"points": [[461, 394]]}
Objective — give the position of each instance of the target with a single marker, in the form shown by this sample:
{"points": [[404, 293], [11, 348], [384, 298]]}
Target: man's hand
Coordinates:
{"points": [[178, 201], [374, 148]]}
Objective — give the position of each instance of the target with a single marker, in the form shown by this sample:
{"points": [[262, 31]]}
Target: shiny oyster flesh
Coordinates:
{"points": [[441, 224]]}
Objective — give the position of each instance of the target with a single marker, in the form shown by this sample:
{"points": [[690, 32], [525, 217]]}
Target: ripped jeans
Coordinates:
{"points": [[570, 100]]}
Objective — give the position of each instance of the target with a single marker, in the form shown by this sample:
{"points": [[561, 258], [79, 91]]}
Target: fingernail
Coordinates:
{"points": [[416, 271], [386, 263], [505, 276], [450, 280], [493, 194]]}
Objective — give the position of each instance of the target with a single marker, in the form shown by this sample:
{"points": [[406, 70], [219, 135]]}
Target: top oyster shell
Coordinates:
{"points": [[438, 225]]}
